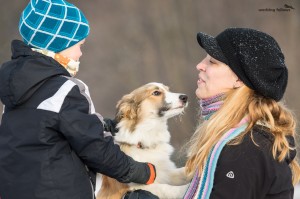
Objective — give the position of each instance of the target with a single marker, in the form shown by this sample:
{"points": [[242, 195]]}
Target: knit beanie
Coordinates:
{"points": [[254, 56], [52, 25]]}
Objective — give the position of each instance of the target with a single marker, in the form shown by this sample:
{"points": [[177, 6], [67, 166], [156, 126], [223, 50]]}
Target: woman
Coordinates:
{"points": [[52, 141], [245, 147]]}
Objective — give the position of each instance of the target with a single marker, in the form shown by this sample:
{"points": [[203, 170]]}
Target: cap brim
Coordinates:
{"points": [[211, 46]]}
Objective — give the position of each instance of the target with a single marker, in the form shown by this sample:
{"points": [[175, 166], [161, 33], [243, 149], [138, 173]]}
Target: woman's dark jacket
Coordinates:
{"points": [[51, 140], [249, 171]]}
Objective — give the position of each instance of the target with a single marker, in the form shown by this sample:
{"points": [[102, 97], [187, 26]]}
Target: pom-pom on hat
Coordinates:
{"points": [[52, 24], [254, 56]]}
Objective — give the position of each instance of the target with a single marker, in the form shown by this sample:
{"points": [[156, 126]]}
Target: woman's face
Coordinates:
{"points": [[73, 52], [215, 77]]}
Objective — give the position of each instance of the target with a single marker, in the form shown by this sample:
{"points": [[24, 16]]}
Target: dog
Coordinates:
{"points": [[143, 134]]}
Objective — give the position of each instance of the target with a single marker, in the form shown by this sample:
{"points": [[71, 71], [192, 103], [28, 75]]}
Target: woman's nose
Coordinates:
{"points": [[201, 66]]}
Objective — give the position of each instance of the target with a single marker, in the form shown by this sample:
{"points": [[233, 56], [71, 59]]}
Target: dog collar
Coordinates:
{"points": [[139, 145]]}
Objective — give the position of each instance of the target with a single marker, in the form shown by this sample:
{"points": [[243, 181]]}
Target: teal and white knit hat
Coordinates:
{"points": [[53, 25]]}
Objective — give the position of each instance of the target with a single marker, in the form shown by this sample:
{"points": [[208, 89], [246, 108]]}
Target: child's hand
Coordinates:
{"points": [[110, 126], [142, 173]]}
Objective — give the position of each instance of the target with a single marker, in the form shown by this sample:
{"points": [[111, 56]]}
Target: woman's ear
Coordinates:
{"points": [[238, 83]]}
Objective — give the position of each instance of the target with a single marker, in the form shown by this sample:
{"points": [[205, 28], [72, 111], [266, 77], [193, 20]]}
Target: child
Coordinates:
{"points": [[52, 141]]}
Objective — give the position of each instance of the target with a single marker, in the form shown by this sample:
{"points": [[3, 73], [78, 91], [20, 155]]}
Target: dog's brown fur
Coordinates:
{"points": [[111, 189]]}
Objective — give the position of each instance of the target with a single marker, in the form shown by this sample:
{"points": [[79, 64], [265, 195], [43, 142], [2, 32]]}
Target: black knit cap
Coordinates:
{"points": [[255, 57]]}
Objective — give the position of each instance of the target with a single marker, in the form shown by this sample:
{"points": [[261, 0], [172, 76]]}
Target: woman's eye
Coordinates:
{"points": [[156, 93]]}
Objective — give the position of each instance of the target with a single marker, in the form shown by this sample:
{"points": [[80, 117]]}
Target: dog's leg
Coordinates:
{"points": [[178, 177], [111, 189]]}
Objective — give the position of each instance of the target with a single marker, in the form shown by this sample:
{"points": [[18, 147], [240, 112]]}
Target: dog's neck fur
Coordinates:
{"points": [[146, 134]]}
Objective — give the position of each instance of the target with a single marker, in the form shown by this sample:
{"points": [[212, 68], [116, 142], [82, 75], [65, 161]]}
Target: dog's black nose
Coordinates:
{"points": [[183, 98]]}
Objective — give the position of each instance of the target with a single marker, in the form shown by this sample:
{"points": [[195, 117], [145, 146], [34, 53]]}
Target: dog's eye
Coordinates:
{"points": [[156, 93]]}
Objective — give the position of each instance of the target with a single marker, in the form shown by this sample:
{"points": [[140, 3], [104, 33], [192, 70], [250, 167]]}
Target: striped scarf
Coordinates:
{"points": [[210, 105], [201, 185]]}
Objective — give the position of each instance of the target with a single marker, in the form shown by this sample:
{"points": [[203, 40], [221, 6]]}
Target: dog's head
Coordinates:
{"points": [[148, 102]]}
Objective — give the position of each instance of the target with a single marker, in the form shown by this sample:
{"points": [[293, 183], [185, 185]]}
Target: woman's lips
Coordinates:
{"points": [[200, 81]]}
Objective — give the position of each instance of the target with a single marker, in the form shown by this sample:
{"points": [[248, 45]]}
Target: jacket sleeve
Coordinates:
{"points": [[84, 132], [243, 171]]}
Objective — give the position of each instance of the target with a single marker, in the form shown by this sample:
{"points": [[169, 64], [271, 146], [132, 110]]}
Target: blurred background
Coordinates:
{"points": [[133, 42]]}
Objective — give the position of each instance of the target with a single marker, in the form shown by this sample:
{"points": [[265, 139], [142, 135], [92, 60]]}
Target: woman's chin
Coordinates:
{"points": [[199, 93]]}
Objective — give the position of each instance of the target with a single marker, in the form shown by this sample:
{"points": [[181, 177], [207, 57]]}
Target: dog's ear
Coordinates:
{"points": [[127, 108]]}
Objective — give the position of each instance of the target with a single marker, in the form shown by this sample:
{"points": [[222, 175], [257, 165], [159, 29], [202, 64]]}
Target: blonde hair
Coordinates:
{"points": [[237, 104]]}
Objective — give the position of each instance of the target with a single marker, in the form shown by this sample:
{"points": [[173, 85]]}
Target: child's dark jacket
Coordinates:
{"points": [[51, 139]]}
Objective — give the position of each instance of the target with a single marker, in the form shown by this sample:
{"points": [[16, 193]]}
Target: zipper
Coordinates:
{"points": [[90, 179]]}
